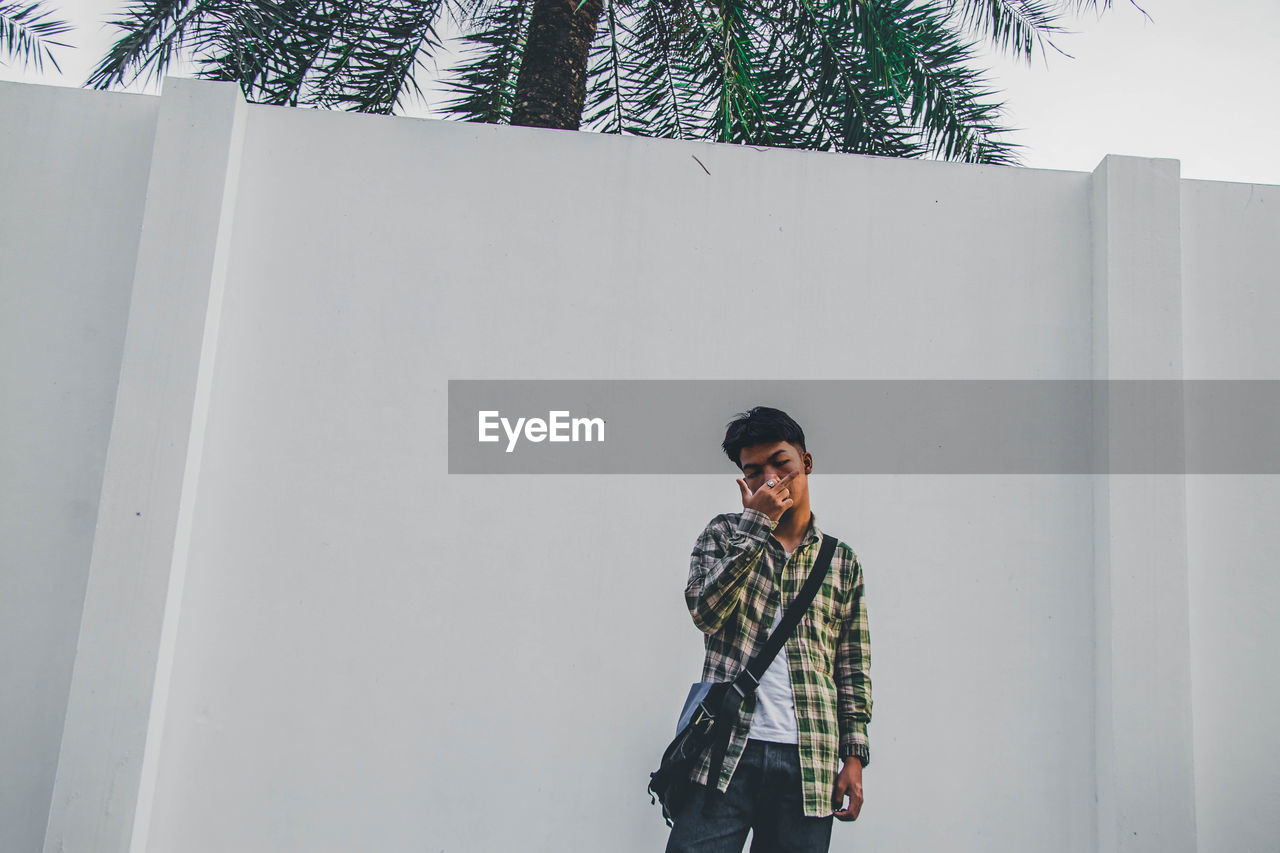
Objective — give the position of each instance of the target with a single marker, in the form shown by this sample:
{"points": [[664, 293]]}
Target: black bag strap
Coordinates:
{"points": [[748, 680]]}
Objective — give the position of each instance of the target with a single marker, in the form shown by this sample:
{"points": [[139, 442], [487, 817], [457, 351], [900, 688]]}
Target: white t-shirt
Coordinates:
{"points": [[775, 715]]}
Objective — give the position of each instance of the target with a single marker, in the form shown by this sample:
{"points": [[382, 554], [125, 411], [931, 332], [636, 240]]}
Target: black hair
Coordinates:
{"points": [[761, 425]]}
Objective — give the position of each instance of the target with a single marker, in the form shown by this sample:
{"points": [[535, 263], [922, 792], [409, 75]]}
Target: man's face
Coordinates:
{"points": [[762, 462]]}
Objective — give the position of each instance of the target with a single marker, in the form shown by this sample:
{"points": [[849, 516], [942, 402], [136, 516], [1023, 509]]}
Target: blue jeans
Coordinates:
{"points": [[764, 796]]}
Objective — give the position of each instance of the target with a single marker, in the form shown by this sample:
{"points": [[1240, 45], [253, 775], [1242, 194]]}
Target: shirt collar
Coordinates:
{"points": [[814, 533]]}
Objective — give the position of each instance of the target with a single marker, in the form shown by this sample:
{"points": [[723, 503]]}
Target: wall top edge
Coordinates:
{"points": [[1206, 181], [589, 137], [80, 91]]}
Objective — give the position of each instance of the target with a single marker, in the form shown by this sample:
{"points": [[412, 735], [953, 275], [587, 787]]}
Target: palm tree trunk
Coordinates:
{"points": [[552, 84]]}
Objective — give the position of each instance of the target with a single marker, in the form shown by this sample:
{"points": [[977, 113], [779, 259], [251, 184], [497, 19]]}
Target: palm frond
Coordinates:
{"points": [[369, 66], [346, 54], [666, 84], [726, 62], [339, 54], [608, 76], [268, 48], [823, 92], [153, 31], [1014, 26], [485, 82], [886, 77], [912, 51], [28, 34]]}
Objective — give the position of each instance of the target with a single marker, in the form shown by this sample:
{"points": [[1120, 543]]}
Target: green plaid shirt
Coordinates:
{"points": [[735, 574]]}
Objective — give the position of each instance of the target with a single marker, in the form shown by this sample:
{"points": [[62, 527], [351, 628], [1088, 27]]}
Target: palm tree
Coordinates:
{"points": [[887, 77], [27, 33]]}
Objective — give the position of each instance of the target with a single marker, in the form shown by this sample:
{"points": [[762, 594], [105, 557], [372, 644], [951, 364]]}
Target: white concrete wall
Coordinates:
{"points": [[73, 168], [1231, 275], [333, 644], [376, 654]]}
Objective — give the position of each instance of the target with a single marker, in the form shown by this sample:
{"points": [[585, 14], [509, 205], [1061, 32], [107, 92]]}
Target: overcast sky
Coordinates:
{"points": [[1197, 83]]}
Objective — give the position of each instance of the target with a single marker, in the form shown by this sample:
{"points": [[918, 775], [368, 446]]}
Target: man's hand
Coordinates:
{"points": [[848, 784], [773, 498]]}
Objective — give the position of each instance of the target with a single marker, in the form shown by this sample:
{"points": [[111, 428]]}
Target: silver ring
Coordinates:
{"points": [[771, 483]]}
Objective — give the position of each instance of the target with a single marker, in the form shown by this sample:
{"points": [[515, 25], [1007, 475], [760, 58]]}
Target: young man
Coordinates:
{"points": [[797, 752]]}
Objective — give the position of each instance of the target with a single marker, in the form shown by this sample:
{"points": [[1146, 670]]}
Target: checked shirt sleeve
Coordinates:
{"points": [[853, 675], [718, 568]]}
